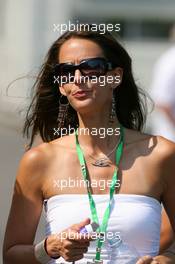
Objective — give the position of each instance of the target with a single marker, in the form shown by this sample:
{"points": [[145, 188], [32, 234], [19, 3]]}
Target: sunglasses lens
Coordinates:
{"points": [[66, 70], [94, 67]]}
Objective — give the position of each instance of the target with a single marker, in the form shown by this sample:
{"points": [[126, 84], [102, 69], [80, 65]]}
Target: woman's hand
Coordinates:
{"points": [[69, 244], [168, 258]]}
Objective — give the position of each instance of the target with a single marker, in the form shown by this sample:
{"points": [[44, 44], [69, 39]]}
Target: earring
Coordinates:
{"points": [[112, 113], [63, 108]]}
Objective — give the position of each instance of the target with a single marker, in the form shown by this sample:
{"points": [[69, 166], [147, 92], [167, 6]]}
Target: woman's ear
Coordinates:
{"points": [[118, 71], [117, 74], [62, 91]]}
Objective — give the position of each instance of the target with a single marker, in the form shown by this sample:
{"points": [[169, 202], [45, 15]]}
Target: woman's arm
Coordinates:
{"points": [[25, 211], [167, 166], [169, 194], [167, 234]]}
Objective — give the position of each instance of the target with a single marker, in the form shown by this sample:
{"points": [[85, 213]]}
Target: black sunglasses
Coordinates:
{"points": [[87, 67]]}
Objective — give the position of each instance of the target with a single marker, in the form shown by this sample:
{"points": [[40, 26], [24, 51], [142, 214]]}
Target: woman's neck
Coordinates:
{"points": [[97, 133]]}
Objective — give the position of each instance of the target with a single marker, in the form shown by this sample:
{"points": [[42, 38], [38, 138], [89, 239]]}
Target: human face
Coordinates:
{"points": [[85, 96]]}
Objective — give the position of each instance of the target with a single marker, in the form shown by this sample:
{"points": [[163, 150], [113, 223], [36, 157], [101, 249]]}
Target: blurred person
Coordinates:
{"points": [[163, 93], [143, 164]]}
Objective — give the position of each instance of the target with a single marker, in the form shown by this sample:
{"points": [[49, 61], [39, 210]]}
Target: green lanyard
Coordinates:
{"points": [[93, 209]]}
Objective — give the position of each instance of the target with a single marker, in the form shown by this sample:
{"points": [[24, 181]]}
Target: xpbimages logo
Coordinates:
{"points": [[101, 184], [77, 26], [102, 80], [102, 132], [108, 236]]}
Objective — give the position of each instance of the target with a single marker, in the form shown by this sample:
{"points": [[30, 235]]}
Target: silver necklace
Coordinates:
{"points": [[104, 161]]}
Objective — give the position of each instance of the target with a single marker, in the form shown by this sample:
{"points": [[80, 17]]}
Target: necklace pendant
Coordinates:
{"points": [[101, 163]]}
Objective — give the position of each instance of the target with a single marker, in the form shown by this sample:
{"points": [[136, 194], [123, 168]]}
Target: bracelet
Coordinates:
{"points": [[41, 252], [45, 241]]}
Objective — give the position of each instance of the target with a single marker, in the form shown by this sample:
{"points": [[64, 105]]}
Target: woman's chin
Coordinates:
{"points": [[84, 106]]}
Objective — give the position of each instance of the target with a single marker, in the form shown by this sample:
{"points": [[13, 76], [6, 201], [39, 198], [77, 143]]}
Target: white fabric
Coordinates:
{"points": [[136, 217], [163, 92]]}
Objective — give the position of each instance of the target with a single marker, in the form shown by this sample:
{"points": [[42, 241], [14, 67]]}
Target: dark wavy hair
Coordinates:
{"points": [[41, 116]]}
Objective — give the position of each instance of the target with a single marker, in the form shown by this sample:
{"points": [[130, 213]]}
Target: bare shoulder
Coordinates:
{"points": [[44, 152], [160, 143], [161, 149], [37, 156], [166, 146], [165, 149], [37, 160], [31, 169]]}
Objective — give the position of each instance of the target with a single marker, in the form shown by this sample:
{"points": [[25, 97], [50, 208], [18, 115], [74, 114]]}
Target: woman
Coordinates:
{"points": [[142, 165]]}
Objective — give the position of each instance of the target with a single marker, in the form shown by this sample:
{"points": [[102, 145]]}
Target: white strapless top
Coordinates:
{"points": [[137, 218]]}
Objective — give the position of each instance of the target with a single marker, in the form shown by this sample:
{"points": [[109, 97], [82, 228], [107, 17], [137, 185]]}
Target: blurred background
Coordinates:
{"points": [[27, 32]]}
